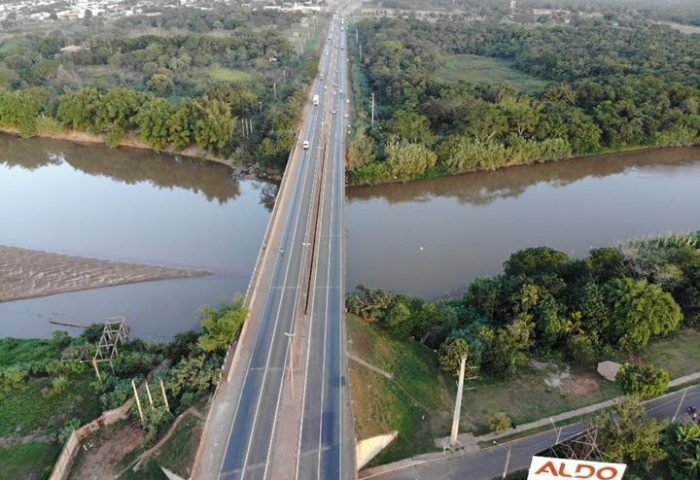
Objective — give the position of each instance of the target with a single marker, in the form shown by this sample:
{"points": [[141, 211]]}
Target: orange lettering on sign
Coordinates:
{"points": [[581, 467], [547, 468]]}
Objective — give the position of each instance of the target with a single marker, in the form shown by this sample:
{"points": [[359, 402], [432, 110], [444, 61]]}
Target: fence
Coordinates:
{"points": [[62, 467]]}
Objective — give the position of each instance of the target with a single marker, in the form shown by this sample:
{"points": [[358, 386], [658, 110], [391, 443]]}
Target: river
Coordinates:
{"points": [[426, 238], [431, 238], [132, 206]]}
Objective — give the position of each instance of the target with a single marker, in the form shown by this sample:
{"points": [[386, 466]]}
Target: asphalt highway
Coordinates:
{"points": [[326, 447], [514, 456], [326, 442]]}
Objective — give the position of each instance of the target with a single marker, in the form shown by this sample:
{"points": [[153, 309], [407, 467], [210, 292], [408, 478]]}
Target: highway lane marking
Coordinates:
{"points": [[325, 327], [308, 351], [275, 267], [296, 213], [294, 308], [293, 320]]}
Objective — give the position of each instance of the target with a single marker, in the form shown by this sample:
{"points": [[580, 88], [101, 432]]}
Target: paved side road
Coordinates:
{"points": [[491, 462]]}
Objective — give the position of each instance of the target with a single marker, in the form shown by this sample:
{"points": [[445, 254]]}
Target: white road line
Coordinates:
{"points": [[294, 313], [325, 325], [301, 168], [295, 219], [310, 334]]}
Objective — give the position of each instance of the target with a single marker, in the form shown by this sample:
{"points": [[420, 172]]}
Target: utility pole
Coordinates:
{"points": [[148, 392], [274, 89], [138, 402], [357, 36], [360, 53], [454, 443], [372, 109], [165, 397], [556, 430]]}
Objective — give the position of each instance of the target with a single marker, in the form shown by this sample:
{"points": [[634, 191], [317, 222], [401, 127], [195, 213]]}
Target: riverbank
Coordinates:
{"points": [[438, 172], [131, 141], [32, 273]]}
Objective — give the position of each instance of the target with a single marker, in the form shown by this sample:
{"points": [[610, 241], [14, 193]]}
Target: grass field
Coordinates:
{"points": [[28, 462], [679, 353], [32, 410], [222, 74], [477, 69], [416, 402], [682, 27], [526, 397], [177, 454], [29, 409]]}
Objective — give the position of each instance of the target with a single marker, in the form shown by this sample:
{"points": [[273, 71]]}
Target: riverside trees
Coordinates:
{"points": [[172, 91], [601, 95], [545, 301]]}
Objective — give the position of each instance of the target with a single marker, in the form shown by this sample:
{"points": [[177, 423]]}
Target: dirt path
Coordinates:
{"points": [[105, 451], [32, 273]]}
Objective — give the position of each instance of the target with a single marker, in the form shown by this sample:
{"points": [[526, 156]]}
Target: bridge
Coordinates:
{"points": [[281, 410]]}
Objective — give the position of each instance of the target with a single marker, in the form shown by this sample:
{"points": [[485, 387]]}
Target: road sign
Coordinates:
{"points": [[543, 468]]}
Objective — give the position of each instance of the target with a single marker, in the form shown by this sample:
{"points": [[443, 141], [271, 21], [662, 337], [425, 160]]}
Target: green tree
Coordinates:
{"points": [[397, 319], [161, 82], [153, 122], [533, 262], [582, 350], [643, 381], [451, 353], [214, 126], [639, 311], [682, 444], [627, 435], [77, 109], [221, 327], [408, 161]]}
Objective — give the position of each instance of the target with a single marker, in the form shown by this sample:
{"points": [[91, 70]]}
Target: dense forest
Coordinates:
{"points": [[615, 301], [611, 87], [236, 94]]}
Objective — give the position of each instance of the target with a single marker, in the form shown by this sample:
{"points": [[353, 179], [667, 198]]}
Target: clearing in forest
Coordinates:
{"points": [[477, 69]]}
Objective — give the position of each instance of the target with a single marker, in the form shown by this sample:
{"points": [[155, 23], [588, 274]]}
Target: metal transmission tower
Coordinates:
{"points": [[583, 446], [115, 331]]}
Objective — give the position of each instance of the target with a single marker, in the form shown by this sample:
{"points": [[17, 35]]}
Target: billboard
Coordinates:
{"points": [[543, 468]]}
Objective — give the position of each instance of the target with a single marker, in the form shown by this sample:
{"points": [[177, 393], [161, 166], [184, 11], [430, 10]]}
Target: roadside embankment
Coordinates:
{"points": [[32, 273]]}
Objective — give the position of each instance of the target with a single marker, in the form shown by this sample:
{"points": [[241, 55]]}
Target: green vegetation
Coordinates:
{"points": [[499, 421], [520, 329], [600, 97], [643, 381], [185, 87], [222, 74], [47, 397], [29, 461], [650, 448], [678, 353], [476, 69], [416, 402], [609, 304]]}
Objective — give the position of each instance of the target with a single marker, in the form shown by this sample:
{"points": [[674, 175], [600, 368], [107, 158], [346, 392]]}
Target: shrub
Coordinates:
{"points": [[642, 380], [59, 385], [499, 421]]}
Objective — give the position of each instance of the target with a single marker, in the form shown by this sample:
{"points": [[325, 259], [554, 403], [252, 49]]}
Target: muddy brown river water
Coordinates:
{"points": [[426, 238]]}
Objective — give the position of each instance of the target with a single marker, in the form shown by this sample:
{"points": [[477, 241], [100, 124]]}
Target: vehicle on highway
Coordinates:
{"points": [[305, 144], [315, 99], [333, 111]]}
